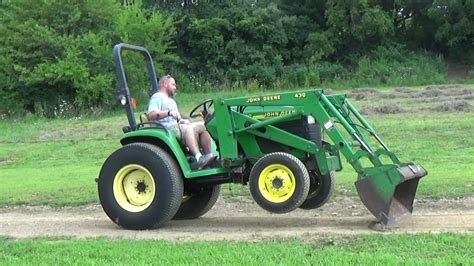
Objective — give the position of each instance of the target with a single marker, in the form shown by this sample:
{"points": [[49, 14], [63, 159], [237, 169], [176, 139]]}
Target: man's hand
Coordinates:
{"points": [[175, 115]]}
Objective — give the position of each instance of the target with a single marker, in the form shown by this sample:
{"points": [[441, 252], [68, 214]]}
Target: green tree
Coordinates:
{"points": [[239, 43], [356, 27], [56, 55], [454, 21]]}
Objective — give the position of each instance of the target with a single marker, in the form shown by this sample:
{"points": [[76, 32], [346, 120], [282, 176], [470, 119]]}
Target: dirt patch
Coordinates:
{"points": [[238, 220], [328, 91], [7, 160], [448, 88], [465, 97], [445, 92], [429, 94], [406, 90], [364, 93], [383, 109], [51, 135], [453, 106]]}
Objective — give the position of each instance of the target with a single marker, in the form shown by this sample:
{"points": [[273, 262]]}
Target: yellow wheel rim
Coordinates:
{"points": [[277, 183], [134, 188]]}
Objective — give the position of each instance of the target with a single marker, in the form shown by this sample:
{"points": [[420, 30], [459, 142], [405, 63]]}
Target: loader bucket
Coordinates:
{"points": [[388, 192]]}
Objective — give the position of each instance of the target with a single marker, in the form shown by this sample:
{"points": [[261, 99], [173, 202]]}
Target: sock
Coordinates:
{"points": [[198, 156], [209, 155]]}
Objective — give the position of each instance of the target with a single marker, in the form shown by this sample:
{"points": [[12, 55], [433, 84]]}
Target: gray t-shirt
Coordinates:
{"points": [[162, 102]]}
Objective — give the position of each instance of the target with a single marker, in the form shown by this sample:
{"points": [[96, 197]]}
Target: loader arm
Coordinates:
{"points": [[386, 189]]}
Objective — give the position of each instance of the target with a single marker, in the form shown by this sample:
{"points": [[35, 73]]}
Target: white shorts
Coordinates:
{"points": [[180, 129]]}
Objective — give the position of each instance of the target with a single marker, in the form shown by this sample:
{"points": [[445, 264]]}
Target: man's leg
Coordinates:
{"points": [[204, 137], [205, 141], [189, 138]]}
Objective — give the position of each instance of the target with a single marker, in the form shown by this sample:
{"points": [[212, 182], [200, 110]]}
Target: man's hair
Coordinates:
{"points": [[162, 80]]}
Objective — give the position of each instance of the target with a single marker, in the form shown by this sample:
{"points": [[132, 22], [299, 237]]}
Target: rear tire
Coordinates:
{"points": [[140, 186], [198, 203], [320, 190], [279, 182]]}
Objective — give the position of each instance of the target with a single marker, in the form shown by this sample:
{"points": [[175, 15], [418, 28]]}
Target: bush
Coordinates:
{"points": [[298, 75], [238, 43], [57, 57], [396, 66], [332, 72]]}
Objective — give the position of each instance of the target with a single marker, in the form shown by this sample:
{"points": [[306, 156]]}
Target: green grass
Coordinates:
{"points": [[426, 249], [55, 162]]}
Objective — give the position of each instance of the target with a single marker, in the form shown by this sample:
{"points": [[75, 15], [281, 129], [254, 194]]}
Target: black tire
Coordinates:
{"points": [[198, 203], [301, 184], [320, 190], [167, 183]]}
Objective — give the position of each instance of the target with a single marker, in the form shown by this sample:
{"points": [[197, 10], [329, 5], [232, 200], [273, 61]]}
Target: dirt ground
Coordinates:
{"points": [[239, 219]]}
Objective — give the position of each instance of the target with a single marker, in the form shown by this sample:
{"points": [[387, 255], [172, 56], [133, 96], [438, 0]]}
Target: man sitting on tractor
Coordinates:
{"points": [[163, 109]]}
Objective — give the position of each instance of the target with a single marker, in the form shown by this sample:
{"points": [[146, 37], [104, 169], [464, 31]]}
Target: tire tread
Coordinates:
{"points": [[156, 217], [284, 208]]}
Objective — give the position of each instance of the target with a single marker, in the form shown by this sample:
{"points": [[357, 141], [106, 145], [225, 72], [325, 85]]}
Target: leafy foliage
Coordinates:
{"points": [[307, 43], [454, 22], [56, 59]]}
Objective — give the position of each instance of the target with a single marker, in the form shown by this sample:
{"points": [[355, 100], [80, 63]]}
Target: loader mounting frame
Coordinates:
{"points": [[387, 189]]}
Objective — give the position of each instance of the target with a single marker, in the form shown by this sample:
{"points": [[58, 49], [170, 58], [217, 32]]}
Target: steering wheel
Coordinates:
{"points": [[205, 106]]}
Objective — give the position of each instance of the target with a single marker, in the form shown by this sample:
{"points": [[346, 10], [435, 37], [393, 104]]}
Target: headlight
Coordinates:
{"points": [[123, 100], [310, 120]]}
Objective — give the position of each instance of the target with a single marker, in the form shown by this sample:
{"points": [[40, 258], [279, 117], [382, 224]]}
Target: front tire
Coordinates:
{"points": [[320, 190], [279, 182], [198, 202], [140, 186]]}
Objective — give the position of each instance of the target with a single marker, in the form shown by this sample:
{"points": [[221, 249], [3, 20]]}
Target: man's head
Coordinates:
{"points": [[168, 85]]}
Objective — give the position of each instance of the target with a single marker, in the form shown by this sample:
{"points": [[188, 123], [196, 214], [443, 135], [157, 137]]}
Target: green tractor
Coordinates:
{"points": [[285, 146]]}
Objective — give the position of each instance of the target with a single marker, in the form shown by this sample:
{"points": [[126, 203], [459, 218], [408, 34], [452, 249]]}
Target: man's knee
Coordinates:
{"points": [[189, 131], [186, 130], [198, 127]]}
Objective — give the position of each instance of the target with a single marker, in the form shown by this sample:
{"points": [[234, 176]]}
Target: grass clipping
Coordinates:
{"points": [[383, 109], [453, 106]]}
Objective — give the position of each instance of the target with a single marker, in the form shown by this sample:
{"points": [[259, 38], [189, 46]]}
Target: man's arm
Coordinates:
{"points": [[158, 114], [155, 108]]}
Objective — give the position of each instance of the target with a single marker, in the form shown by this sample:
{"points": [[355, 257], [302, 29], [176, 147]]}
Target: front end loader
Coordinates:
{"points": [[285, 146]]}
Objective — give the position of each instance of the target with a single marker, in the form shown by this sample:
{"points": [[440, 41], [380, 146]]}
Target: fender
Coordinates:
{"points": [[167, 140], [162, 138]]}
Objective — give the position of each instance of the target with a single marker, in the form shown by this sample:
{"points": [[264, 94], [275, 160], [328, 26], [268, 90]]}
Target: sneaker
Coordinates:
{"points": [[205, 161]]}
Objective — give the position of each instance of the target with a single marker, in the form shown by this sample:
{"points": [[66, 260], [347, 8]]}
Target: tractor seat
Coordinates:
{"points": [[145, 122]]}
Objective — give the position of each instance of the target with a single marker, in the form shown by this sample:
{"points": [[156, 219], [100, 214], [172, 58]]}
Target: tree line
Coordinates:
{"points": [[55, 56]]}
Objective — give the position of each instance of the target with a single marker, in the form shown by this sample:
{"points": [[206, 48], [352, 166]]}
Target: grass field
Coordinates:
{"points": [[424, 249], [55, 161]]}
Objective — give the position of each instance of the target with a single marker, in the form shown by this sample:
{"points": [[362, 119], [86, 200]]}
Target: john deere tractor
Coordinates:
{"points": [[285, 146]]}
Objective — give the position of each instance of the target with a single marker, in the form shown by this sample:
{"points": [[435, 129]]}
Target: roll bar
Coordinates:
{"points": [[123, 91]]}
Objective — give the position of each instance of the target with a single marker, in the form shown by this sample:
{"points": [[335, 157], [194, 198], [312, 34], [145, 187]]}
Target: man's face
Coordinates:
{"points": [[170, 86]]}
